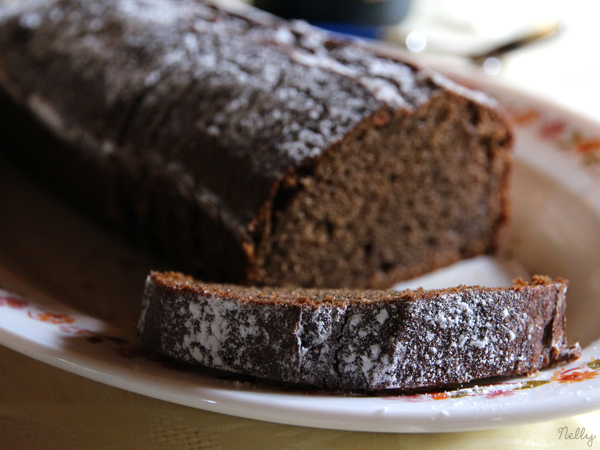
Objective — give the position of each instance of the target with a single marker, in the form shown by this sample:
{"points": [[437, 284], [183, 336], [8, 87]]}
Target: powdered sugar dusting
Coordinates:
{"points": [[208, 325], [382, 316], [315, 333], [145, 11], [211, 324], [384, 91]]}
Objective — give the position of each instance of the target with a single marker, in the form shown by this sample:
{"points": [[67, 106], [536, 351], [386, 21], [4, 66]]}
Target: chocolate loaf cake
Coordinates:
{"points": [[243, 148], [358, 340]]}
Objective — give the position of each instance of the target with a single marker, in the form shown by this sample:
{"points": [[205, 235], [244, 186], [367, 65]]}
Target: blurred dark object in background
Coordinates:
{"points": [[364, 18]]}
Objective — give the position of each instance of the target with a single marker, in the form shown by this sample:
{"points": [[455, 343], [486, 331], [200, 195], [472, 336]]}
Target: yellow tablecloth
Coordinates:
{"points": [[42, 407]]}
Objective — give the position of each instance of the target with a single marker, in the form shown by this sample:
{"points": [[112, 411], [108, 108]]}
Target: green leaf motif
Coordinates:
{"points": [[532, 384], [591, 159], [595, 364], [459, 394]]}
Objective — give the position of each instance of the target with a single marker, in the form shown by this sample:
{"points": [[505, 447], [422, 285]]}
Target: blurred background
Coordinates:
{"points": [[548, 47]]}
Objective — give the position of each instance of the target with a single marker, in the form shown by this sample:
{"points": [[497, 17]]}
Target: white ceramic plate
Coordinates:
{"points": [[79, 291]]}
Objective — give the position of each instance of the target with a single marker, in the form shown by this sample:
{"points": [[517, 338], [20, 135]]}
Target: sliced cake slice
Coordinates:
{"points": [[358, 340]]}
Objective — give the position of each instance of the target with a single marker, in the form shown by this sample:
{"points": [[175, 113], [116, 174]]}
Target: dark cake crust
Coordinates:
{"points": [[358, 340], [244, 148]]}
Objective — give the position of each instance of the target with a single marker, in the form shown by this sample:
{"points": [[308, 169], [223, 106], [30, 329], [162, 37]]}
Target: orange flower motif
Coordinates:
{"points": [[55, 318], [587, 145], [439, 396], [574, 375], [580, 144], [526, 117], [13, 302]]}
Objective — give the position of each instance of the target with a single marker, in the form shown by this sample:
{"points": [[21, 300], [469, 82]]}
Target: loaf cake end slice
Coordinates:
{"points": [[358, 340]]}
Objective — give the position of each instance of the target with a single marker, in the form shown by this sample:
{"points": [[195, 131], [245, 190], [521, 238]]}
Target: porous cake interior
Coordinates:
{"points": [[405, 193]]}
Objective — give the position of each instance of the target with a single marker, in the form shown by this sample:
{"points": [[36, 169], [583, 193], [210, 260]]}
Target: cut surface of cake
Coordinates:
{"points": [[247, 149], [358, 339]]}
